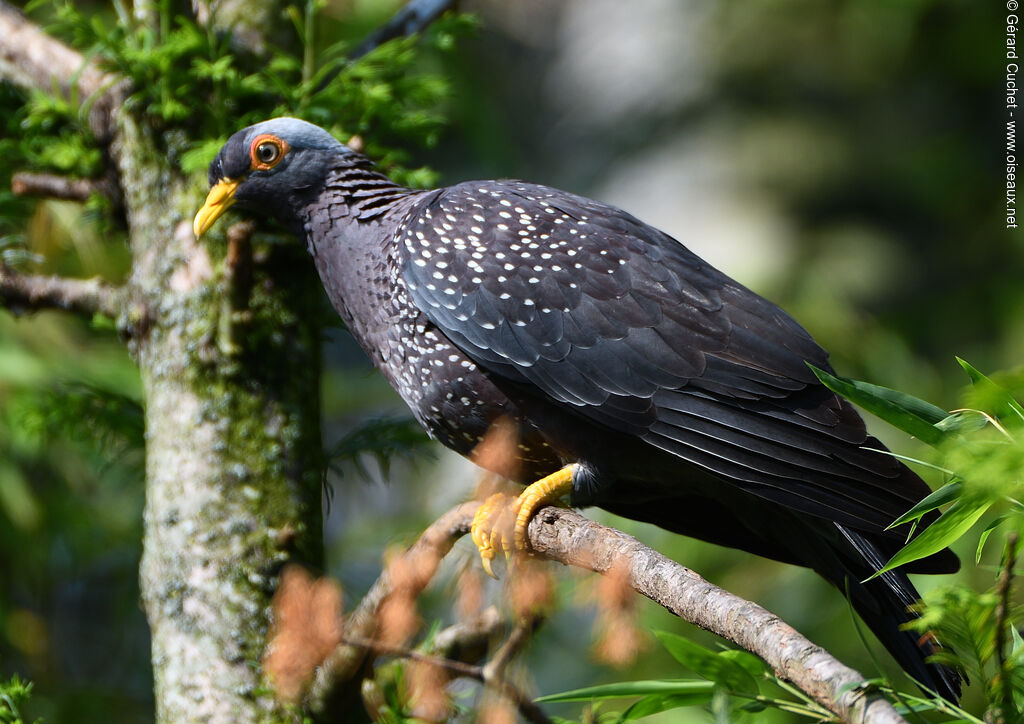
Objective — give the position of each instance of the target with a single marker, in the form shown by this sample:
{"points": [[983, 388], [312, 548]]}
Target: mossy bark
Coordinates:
{"points": [[233, 442]]}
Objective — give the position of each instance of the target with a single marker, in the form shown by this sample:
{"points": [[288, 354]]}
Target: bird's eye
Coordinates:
{"points": [[266, 151]]}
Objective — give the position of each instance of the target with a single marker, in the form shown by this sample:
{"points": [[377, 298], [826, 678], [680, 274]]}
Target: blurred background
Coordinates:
{"points": [[843, 159]]}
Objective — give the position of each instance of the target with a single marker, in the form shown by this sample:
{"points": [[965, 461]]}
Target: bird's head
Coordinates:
{"points": [[266, 167]]}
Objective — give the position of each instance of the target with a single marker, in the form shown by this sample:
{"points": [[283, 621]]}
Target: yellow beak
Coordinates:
{"points": [[219, 200]]}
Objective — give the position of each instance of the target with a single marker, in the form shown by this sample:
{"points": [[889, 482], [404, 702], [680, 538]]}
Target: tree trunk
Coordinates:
{"points": [[230, 375]]}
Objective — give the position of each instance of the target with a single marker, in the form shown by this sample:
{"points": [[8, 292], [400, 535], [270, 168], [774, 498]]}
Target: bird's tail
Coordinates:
{"points": [[884, 605]]}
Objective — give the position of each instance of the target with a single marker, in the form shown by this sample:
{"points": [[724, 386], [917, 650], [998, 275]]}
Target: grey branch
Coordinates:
{"points": [[50, 186], [466, 640], [569, 538], [31, 59], [414, 17], [87, 297], [566, 537]]}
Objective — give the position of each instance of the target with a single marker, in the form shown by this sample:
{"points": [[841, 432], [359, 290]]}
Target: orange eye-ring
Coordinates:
{"points": [[266, 151]]}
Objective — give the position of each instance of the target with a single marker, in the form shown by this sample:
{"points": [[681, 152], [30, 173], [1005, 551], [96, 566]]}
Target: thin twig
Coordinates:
{"points": [[510, 648], [414, 17], [1004, 681], [86, 297], [529, 711], [342, 664], [468, 640]]}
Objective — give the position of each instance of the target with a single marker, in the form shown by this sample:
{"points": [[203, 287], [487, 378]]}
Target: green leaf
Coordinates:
{"points": [[655, 704], [18, 503], [753, 664], [380, 439], [993, 524], [979, 379], [709, 664], [1018, 642], [945, 530], [946, 494], [963, 421], [200, 155], [906, 412], [624, 689]]}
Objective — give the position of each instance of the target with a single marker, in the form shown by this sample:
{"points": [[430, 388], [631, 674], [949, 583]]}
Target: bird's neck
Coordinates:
{"points": [[350, 232], [366, 192]]}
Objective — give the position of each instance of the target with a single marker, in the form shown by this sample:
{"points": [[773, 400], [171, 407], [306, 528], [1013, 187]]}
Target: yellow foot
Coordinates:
{"points": [[491, 525], [499, 515]]}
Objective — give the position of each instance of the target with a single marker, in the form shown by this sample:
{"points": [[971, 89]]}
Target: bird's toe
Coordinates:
{"points": [[492, 528]]}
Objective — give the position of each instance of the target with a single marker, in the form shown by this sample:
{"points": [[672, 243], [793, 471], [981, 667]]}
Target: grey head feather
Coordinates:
{"points": [[298, 133], [282, 191]]}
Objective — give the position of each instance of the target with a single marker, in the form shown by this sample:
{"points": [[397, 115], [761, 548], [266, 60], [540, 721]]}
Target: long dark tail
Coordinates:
{"points": [[883, 603]]}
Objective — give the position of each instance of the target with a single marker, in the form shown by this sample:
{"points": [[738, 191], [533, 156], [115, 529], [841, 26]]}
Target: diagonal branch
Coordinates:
{"points": [[435, 542], [569, 538], [527, 709], [32, 60], [414, 17], [86, 297]]}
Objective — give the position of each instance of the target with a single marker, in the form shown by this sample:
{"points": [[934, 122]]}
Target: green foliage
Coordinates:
{"points": [[12, 208], [101, 419], [54, 138], [980, 632], [187, 77], [980, 447], [381, 440], [14, 693], [734, 686]]}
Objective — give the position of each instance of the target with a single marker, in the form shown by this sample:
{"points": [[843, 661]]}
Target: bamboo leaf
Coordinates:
{"points": [[709, 664], [906, 412], [949, 527], [995, 523], [980, 379], [655, 704], [963, 421], [946, 494], [624, 689]]}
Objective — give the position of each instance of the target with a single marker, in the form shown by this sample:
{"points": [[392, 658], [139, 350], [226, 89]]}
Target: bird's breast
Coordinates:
{"points": [[455, 401]]}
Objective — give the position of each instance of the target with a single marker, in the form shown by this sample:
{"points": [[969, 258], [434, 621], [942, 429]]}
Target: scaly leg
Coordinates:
{"points": [[491, 523]]}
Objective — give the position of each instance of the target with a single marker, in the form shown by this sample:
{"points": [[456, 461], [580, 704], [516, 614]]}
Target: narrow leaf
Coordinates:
{"points": [[708, 664], [995, 523], [963, 421], [1018, 641], [906, 412], [978, 378], [946, 494], [753, 664], [624, 689], [949, 527], [655, 704]]}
